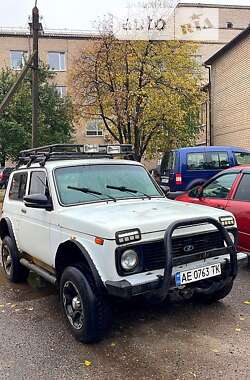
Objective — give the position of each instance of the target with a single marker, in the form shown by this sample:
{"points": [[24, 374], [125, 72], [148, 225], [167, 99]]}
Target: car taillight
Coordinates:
{"points": [[178, 179]]}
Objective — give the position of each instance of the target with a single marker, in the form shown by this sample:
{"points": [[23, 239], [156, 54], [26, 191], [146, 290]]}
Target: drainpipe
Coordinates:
{"points": [[210, 106]]}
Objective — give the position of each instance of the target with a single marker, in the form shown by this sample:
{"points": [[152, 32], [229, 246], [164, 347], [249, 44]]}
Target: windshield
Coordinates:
{"points": [[101, 178]]}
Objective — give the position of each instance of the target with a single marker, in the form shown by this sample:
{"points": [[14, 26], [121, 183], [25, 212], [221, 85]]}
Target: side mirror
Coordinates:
{"points": [[197, 192], [40, 201]]}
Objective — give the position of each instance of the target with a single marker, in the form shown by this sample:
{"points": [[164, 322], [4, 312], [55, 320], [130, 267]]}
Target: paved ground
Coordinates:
{"points": [[178, 341]]}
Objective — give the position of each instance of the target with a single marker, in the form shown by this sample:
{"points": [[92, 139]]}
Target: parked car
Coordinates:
{"points": [[101, 228], [182, 169], [228, 190], [4, 176]]}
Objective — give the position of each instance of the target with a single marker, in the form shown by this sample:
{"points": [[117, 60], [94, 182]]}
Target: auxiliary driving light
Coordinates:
{"points": [[128, 236], [227, 221], [129, 260]]}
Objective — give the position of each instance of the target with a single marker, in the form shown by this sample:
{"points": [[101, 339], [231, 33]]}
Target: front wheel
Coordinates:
{"points": [[215, 296], [86, 312]]}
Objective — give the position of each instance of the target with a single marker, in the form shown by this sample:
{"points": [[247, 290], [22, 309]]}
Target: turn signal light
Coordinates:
{"points": [[99, 241]]}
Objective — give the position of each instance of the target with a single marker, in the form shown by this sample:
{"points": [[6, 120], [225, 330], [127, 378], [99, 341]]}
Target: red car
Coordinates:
{"points": [[228, 190]]}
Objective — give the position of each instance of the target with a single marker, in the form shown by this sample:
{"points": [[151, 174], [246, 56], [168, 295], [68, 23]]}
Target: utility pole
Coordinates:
{"points": [[35, 97]]}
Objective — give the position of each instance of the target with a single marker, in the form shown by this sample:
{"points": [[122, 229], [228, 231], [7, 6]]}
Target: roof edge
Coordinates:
{"points": [[221, 6], [241, 36]]}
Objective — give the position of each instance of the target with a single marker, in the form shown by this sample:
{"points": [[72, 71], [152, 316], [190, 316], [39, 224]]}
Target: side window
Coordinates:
{"points": [[195, 161], [242, 158], [38, 183], [220, 187], [217, 160], [168, 161], [243, 191], [18, 186]]}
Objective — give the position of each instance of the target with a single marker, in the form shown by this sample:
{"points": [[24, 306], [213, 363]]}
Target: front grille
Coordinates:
{"points": [[153, 254]]}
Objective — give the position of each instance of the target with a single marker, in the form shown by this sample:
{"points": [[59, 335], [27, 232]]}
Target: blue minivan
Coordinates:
{"points": [[184, 168]]}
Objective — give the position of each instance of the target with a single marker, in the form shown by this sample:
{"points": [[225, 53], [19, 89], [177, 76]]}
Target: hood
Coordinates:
{"points": [[154, 215]]}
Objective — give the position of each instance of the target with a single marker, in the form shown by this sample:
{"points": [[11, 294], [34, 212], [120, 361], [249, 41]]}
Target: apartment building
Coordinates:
{"points": [[60, 49], [230, 93]]}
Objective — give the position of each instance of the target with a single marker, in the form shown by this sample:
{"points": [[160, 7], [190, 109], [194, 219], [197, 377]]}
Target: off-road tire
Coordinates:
{"points": [[97, 316], [16, 272], [216, 296]]}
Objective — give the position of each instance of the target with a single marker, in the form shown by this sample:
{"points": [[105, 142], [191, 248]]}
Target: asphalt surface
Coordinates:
{"points": [[174, 341]]}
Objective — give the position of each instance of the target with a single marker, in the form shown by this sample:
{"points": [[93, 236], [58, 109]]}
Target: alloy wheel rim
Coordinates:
{"points": [[73, 305], [7, 260]]}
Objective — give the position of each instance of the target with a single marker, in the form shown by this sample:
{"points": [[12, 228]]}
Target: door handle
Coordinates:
{"points": [[23, 211]]}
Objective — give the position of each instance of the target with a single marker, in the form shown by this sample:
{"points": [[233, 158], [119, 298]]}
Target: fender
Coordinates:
{"points": [[10, 229], [97, 279]]}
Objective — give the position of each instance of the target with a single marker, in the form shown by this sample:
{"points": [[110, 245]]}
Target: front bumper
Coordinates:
{"points": [[165, 281], [149, 282]]}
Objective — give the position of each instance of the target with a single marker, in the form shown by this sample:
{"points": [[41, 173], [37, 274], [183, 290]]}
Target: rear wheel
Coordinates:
{"points": [[215, 296], [87, 313], [15, 272]]}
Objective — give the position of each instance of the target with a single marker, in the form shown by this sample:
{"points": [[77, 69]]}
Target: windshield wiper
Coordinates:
{"points": [[127, 190], [93, 192]]}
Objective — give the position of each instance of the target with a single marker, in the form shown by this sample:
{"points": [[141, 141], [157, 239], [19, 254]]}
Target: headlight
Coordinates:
{"points": [[128, 236], [129, 260], [227, 221]]}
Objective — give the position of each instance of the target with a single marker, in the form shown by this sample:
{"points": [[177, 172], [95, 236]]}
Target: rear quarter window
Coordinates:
{"points": [[242, 158]]}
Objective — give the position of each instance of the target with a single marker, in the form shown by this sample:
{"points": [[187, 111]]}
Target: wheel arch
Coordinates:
{"points": [[71, 252], [6, 228]]}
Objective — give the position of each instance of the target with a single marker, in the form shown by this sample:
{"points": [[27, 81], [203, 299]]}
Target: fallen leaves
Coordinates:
{"points": [[247, 302], [215, 350], [87, 363]]}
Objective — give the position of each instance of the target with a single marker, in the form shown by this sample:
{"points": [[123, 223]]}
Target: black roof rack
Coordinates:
{"points": [[73, 151]]}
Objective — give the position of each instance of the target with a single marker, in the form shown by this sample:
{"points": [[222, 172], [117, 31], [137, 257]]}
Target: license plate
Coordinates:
{"points": [[193, 275], [165, 179]]}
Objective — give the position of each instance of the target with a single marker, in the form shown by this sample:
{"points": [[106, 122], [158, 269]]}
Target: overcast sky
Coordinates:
{"points": [[70, 14]]}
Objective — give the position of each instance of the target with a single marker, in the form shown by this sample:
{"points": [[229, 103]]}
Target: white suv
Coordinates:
{"points": [[100, 227]]}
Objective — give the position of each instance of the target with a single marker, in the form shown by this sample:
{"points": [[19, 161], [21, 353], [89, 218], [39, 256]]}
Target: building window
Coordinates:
{"points": [[203, 114], [230, 25], [56, 61], [94, 128], [61, 90], [17, 59]]}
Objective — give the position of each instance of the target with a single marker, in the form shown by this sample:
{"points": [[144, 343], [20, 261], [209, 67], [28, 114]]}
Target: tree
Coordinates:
{"points": [[55, 118], [146, 93]]}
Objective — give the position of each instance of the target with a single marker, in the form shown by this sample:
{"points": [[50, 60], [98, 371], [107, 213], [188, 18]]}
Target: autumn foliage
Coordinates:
{"points": [[146, 93]]}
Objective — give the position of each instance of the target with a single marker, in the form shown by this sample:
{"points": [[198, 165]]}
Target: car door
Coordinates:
{"points": [[240, 207], [216, 192], [35, 226], [193, 171]]}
